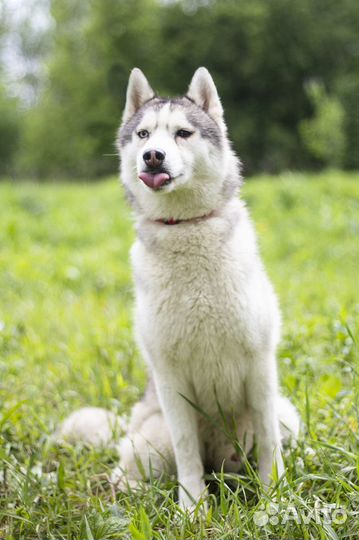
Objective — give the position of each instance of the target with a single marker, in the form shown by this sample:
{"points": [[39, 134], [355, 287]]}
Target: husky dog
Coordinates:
{"points": [[207, 319]]}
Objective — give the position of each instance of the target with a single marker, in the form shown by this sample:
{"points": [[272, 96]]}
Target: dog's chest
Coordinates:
{"points": [[192, 317], [194, 308]]}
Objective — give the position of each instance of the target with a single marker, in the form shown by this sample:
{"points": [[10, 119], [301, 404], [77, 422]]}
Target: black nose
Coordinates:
{"points": [[154, 158]]}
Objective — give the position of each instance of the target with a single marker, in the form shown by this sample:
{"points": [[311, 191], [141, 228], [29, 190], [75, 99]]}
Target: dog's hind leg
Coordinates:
{"points": [[223, 452], [146, 451]]}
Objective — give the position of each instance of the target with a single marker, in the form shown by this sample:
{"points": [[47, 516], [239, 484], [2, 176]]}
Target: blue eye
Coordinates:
{"points": [[143, 134], [184, 133]]}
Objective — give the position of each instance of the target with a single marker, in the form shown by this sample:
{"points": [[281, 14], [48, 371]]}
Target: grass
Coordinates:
{"points": [[66, 341]]}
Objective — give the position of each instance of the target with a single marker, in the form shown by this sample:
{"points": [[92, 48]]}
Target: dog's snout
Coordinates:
{"points": [[154, 158]]}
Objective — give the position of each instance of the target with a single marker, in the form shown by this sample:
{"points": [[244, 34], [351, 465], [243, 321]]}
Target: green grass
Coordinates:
{"points": [[66, 341]]}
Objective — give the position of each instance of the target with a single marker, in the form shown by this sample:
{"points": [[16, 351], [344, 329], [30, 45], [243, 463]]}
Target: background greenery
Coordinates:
{"points": [[66, 341], [286, 71]]}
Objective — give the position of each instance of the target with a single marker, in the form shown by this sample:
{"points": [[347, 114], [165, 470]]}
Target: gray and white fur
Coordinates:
{"points": [[206, 317]]}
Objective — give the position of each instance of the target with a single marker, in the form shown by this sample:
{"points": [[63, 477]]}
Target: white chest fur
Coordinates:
{"points": [[204, 305]]}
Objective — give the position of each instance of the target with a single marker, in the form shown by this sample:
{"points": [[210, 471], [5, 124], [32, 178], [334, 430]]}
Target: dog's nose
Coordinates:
{"points": [[154, 158]]}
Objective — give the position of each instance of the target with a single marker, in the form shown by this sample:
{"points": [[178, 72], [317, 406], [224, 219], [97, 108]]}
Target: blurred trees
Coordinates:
{"points": [[323, 134], [9, 116], [263, 55], [72, 130], [9, 131]]}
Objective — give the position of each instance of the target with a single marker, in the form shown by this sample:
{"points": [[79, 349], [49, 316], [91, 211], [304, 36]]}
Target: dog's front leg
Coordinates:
{"points": [[181, 420], [262, 392]]}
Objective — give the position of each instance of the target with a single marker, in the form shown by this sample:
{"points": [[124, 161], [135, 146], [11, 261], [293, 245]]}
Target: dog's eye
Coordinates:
{"points": [[143, 133], [184, 133]]}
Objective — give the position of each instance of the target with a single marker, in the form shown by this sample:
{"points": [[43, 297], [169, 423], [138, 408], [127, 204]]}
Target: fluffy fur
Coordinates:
{"points": [[206, 318]]}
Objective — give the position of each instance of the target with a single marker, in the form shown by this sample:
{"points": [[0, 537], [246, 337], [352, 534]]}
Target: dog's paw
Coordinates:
{"points": [[192, 495], [121, 482]]}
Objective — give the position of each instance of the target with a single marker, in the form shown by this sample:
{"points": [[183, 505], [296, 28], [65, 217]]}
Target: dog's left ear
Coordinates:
{"points": [[203, 92]]}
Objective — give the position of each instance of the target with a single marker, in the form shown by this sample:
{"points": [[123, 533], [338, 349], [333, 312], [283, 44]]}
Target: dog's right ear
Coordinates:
{"points": [[138, 92], [203, 92]]}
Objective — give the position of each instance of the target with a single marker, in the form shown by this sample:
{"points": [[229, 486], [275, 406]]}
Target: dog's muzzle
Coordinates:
{"points": [[154, 176]]}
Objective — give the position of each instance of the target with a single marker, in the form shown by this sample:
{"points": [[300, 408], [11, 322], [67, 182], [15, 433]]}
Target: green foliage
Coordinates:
{"points": [[66, 341], [261, 53], [346, 89], [323, 134], [9, 131]]}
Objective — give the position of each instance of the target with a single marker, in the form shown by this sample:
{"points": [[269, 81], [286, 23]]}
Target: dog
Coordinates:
{"points": [[207, 319]]}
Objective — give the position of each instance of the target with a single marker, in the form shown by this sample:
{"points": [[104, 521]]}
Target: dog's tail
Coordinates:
{"points": [[93, 426], [288, 418]]}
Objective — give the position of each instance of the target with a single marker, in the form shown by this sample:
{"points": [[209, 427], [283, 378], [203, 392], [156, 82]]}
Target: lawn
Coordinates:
{"points": [[66, 341]]}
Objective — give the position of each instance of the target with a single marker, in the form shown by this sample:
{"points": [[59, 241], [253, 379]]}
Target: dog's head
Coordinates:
{"points": [[176, 160]]}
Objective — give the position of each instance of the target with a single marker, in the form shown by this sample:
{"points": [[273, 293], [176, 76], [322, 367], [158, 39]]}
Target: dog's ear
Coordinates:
{"points": [[138, 92], [203, 92]]}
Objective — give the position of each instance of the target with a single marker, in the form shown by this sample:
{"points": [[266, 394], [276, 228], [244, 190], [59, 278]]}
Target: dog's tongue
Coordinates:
{"points": [[154, 180]]}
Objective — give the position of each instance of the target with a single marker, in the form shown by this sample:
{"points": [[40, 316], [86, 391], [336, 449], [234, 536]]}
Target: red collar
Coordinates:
{"points": [[173, 221], [170, 221]]}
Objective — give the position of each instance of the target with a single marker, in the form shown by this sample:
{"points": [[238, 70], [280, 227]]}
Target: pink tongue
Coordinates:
{"points": [[154, 181]]}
